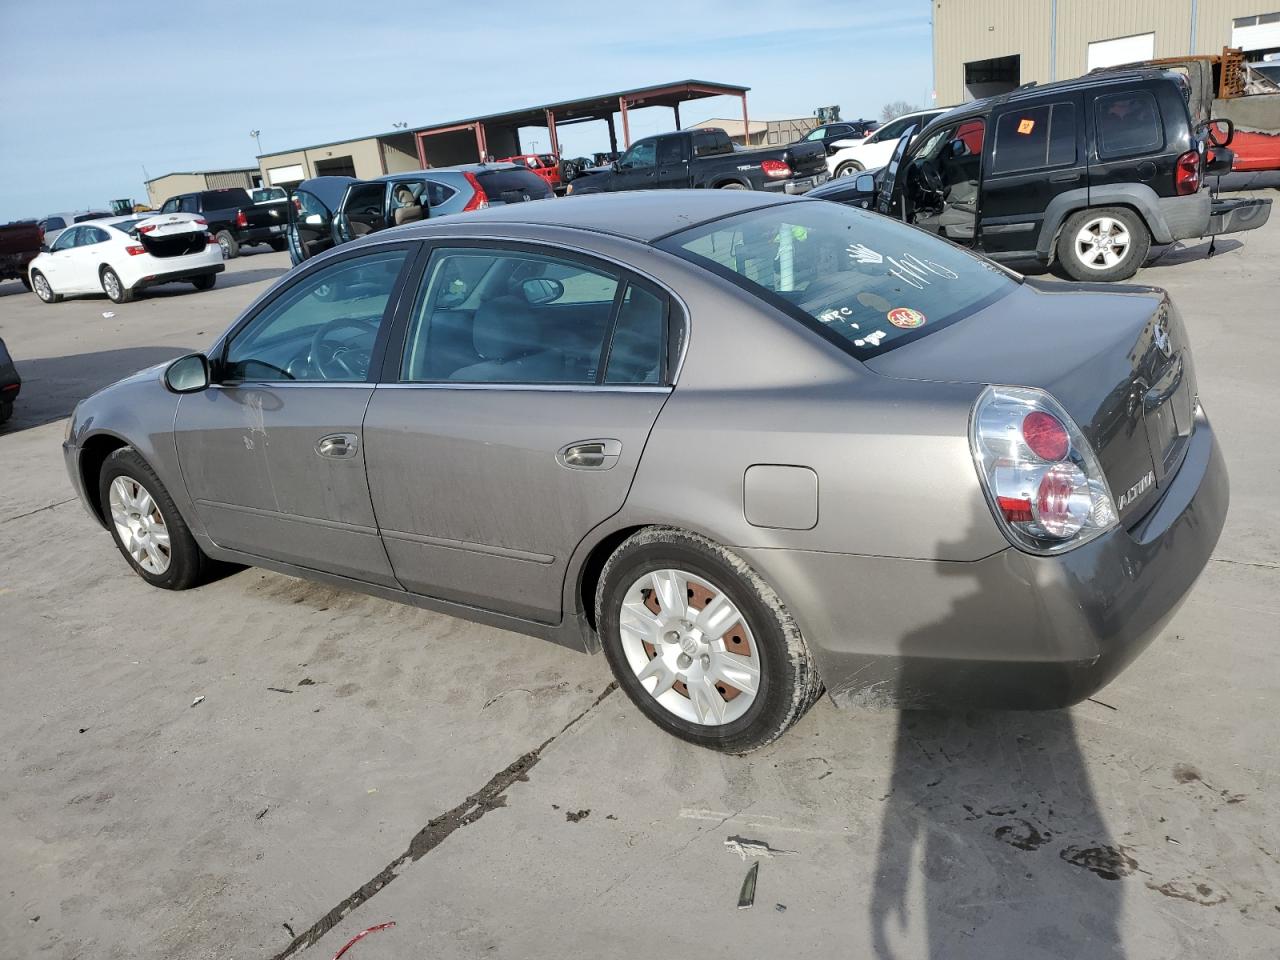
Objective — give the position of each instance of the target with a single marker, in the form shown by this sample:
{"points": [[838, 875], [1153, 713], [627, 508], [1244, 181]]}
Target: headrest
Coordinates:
{"points": [[505, 329]]}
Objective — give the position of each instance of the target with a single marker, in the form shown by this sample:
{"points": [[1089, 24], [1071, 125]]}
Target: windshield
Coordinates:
{"points": [[865, 282]]}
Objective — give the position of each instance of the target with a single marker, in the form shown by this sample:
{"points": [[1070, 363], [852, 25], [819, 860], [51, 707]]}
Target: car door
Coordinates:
{"points": [[361, 212], [638, 167], [272, 452], [310, 226], [1035, 154], [512, 420], [673, 162], [57, 265], [86, 259]]}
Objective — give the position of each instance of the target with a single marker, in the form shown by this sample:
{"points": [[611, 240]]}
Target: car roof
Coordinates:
{"points": [[456, 168], [1036, 90], [644, 215]]}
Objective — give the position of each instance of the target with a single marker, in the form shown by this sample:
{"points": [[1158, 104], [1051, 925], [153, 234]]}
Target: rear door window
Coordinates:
{"points": [[1127, 123], [670, 151], [438, 193], [1034, 138], [54, 223], [188, 205]]}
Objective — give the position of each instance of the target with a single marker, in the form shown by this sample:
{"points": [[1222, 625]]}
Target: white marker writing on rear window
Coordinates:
{"points": [[837, 313], [870, 340], [861, 253], [915, 271]]}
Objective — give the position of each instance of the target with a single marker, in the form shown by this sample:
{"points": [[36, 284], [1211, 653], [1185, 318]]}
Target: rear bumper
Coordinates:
{"points": [[1011, 631], [261, 234], [1237, 214], [797, 185], [174, 276]]}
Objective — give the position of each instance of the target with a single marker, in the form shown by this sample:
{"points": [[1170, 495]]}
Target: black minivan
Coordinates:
{"points": [[1089, 172]]}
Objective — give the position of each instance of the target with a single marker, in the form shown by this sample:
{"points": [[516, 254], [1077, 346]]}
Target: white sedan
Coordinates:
{"points": [[854, 156], [119, 256]]}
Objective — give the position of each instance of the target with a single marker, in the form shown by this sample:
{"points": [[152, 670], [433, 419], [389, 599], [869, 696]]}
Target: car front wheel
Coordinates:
{"points": [[1107, 243], [146, 525], [700, 643], [42, 289]]}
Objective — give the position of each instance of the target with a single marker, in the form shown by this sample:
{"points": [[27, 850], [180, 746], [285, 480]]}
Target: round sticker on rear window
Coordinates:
{"points": [[906, 318]]}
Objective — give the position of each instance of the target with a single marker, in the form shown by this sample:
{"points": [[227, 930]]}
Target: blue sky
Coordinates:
{"points": [[95, 91]]}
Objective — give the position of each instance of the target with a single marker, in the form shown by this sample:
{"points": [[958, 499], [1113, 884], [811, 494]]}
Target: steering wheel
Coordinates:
{"points": [[932, 178], [329, 359]]}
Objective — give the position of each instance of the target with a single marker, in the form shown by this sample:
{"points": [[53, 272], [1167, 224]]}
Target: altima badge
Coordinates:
{"points": [[1137, 490]]}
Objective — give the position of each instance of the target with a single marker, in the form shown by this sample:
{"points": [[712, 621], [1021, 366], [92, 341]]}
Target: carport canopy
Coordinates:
{"points": [[496, 134]]}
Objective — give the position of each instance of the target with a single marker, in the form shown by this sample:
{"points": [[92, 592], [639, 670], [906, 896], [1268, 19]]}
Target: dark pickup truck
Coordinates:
{"points": [[19, 245], [707, 158], [234, 219]]}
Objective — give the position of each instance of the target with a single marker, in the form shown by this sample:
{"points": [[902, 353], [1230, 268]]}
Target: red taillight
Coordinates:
{"points": [[134, 249], [209, 239], [775, 169], [148, 228], [479, 200], [1046, 437], [1015, 509], [241, 219], [1186, 175], [202, 221], [1063, 502]]}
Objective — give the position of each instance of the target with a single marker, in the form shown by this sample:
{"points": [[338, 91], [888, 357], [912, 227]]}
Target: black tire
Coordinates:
{"points": [[230, 248], [26, 282], [1077, 262], [279, 244], [205, 283], [114, 287], [850, 168], [40, 283], [188, 566], [789, 682], [733, 185], [6, 410]]}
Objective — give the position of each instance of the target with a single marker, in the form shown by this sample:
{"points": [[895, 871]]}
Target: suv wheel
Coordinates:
{"points": [[700, 643], [1108, 243]]}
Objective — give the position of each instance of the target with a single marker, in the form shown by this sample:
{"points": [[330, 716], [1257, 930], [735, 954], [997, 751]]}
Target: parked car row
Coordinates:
{"points": [[235, 219]]}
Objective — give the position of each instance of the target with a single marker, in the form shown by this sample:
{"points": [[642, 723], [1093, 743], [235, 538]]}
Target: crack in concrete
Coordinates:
{"points": [[436, 832], [30, 513], [1246, 563]]}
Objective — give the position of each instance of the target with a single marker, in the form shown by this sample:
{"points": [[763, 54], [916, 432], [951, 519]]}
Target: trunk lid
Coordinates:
{"points": [[1116, 358], [272, 214], [171, 234]]}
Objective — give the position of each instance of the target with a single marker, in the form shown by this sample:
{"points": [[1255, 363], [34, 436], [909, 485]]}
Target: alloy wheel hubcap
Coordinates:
{"points": [[1102, 243], [42, 287], [112, 284], [140, 524], [690, 647]]}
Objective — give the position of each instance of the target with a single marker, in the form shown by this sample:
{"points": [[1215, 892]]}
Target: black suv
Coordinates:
{"points": [[1089, 172]]}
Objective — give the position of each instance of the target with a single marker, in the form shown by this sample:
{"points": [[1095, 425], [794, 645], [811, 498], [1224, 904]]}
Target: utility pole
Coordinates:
{"points": [[254, 134]]}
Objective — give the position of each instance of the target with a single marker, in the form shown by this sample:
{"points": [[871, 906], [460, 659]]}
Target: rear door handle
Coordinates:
{"points": [[590, 454], [338, 446], [1064, 178]]}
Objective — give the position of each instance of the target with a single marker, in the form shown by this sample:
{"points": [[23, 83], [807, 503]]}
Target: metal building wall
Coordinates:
{"points": [[968, 30], [228, 178]]}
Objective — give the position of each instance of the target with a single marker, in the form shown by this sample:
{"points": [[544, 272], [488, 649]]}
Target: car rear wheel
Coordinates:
{"points": [[42, 289], [850, 168], [205, 283], [146, 525], [114, 288], [230, 249], [278, 244], [1108, 243], [700, 643]]}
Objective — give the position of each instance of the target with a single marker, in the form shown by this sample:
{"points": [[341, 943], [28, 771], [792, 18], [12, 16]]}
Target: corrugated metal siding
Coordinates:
{"points": [[228, 178], [967, 30]]}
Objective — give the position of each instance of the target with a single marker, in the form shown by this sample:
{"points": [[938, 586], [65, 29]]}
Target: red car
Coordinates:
{"points": [[545, 165]]}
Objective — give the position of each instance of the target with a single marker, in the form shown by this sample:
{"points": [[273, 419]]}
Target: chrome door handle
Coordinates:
{"points": [[590, 454], [338, 446]]}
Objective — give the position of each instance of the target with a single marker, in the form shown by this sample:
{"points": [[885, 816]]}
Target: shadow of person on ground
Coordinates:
{"points": [[52, 386], [992, 843]]}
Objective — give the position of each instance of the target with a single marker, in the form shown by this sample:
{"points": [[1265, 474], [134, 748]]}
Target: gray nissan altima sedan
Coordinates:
{"points": [[751, 446]]}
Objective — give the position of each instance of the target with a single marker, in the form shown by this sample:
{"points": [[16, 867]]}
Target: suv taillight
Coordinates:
{"points": [[479, 200], [1040, 475], [241, 219], [775, 169], [1186, 174]]}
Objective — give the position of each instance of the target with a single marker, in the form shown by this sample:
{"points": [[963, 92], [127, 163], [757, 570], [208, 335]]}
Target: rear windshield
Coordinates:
{"points": [[511, 185], [222, 199], [864, 281], [96, 215]]}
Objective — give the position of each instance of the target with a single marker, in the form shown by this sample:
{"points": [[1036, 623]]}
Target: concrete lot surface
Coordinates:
{"points": [[354, 761]]}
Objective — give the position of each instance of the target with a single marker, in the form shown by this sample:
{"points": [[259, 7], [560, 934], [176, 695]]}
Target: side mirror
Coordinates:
{"points": [[616, 166], [1221, 132], [540, 290], [958, 149], [189, 374], [865, 183]]}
